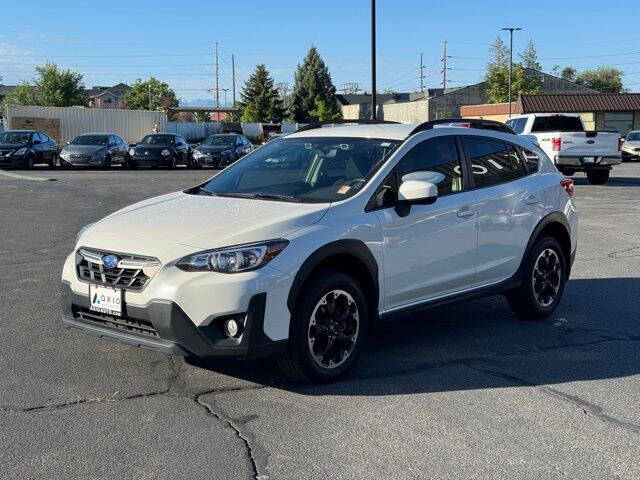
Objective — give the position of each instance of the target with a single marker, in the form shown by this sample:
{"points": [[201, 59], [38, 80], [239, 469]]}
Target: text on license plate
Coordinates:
{"points": [[105, 300], [588, 159]]}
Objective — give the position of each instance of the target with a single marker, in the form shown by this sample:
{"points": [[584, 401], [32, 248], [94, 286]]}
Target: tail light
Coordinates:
{"points": [[620, 142], [567, 184], [556, 143]]}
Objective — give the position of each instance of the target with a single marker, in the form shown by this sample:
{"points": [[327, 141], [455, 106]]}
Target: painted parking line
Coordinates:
{"points": [[26, 177]]}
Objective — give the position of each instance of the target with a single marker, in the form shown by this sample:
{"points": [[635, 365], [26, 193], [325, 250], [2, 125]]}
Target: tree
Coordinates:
{"points": [[203, 116], [497, 76], [260, 99], [322, 113], [568, 73], [52, 86], [603, 79], [529, 57], [312, 83], [150, 95]]}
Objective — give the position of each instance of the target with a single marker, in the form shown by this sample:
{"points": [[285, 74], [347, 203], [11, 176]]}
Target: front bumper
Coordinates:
{"points": [[148, 161], [175, 332], [579, 161], [84, 161], [13, 161]]}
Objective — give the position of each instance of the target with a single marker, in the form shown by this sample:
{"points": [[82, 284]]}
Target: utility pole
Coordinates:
{"points": [[233, 76], [444, 66], [217, 85], [421, 74], [373, 60], [510, 30], [149, 84]]}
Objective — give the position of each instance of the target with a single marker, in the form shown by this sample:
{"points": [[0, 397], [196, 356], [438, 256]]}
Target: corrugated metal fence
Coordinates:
{"points": [[65, 123]]}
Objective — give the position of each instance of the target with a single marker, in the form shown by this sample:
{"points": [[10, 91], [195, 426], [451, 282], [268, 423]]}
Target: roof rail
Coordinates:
{"points": [[466, 122], [314, 125]]}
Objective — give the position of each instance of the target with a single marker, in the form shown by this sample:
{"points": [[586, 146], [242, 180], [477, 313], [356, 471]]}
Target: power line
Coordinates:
{"points": [[48, 55]]}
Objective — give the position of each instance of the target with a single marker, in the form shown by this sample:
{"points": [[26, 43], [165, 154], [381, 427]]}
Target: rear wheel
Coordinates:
{"points": [[329, 328], [543, 280], [597, 176]]}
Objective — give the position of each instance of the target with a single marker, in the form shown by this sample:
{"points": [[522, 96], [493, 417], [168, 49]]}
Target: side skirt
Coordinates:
{"points": [[498, 288]]}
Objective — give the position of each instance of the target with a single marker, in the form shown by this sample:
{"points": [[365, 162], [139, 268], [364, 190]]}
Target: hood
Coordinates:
{"points": [[158, 225], [213, 148], [83, 149], [631, 143]]}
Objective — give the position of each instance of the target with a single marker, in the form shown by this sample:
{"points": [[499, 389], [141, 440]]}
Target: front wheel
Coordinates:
{"points": [[106, 163], [53, 163], [29, 163], [329, 328], [172, 163], [543, 280], [597, 177]]}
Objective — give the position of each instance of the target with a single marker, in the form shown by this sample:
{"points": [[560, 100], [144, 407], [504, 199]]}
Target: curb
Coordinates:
{"points": [[26, 177]]}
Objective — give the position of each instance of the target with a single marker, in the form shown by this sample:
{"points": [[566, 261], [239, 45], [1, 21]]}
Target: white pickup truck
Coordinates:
{"points": [[572, 148]]}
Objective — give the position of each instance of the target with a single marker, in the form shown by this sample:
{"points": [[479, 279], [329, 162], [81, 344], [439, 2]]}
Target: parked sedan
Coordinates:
{"points": [[94, 150], [631, 146], [161, 150], [221, 150], [26, 148]]}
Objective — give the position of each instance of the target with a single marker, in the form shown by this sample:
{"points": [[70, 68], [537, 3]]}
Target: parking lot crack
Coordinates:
{"points": [[256, 454], [586, 407]]}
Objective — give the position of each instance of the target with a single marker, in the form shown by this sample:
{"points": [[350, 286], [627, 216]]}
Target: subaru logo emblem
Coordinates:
{"points": [[110, 261]]}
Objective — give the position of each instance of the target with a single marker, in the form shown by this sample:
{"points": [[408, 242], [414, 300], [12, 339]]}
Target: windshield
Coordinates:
{"points": [[309, 169], [159, 140], [91, 140], [633, 136], [557, 123], [15, 137], [220, 140]]}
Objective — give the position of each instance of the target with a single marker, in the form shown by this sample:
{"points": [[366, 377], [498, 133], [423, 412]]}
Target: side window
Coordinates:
{"points": [[239, 141], [438, 155], [532, 160], [516, 162], [490, 162]]}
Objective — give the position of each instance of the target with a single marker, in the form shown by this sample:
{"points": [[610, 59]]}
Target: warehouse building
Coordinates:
{"points": [[619, 112]]}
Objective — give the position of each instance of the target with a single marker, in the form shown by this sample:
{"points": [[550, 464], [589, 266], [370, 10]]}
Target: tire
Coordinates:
{"points": [[597, 176], [53, 163], [343, 332], [106, 165], [28, 164], [172, 163], [131, 163], [543, 281]]}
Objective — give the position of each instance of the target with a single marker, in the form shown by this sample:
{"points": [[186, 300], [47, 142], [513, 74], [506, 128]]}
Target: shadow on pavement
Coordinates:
{"points": [[590, 337], [612, 182]]}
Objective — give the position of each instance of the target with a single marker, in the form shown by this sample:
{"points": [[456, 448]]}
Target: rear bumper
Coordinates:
{"points": [[579, 161], [176, 334]]}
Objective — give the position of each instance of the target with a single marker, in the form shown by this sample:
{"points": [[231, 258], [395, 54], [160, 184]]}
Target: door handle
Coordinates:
{"points": [[466, 212], [532, 200]]}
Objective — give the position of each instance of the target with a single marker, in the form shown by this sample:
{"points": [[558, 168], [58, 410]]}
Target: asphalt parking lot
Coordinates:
{"points": [[467, 391]]}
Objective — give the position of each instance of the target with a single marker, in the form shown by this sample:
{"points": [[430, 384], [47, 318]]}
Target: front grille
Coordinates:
{"points": [[132, 272], [124, 323]]}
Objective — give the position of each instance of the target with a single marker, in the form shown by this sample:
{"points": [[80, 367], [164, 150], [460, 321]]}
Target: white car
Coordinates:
{"points": [[631, 146], [305, 244], [564, 139]]}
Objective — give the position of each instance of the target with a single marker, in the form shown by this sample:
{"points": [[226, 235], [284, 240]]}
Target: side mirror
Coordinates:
{"points": [[417, 191], [37, 142]]}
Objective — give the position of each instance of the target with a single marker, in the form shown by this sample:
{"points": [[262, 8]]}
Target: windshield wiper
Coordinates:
{"points": [[205, 191], [261, 196]]}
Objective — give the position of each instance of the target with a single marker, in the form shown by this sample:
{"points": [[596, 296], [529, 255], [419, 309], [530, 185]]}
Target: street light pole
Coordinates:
{"points": [[373, 60], [510, 30]]}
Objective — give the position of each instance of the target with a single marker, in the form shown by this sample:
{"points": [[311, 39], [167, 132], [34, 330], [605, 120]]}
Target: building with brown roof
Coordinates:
{"points": [[600, 111]]}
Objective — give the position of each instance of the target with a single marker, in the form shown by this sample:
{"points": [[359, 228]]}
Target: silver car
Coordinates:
{"points": [[95, 150]]}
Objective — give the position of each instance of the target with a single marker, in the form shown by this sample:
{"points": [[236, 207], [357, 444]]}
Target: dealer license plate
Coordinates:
{"points": [[105, 300]]}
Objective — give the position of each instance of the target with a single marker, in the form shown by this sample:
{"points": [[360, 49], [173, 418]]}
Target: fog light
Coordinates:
{"points": [[231, 328]]}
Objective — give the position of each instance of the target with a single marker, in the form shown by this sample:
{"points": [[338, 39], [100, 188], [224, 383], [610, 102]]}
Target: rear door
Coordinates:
{"points": [[508, 206], [429, 250]]}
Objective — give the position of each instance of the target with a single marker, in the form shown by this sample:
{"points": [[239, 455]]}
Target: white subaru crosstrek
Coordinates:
{"points": [[301, 247]]}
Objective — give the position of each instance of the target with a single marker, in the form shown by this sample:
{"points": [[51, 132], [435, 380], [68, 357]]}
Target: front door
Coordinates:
{"points": [[429, 250]]}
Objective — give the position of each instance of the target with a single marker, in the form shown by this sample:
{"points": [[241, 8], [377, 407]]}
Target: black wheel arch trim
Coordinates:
{"points": [[554, 217], [355, 248]]}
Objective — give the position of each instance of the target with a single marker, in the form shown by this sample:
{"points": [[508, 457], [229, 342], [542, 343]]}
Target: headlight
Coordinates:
{"points": [[132, 152], [165, 153], [197, 154], [241, 258], [82, 230], [20, 151]]}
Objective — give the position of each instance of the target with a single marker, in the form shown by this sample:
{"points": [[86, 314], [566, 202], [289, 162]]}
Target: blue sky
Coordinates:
{"points": [[173, 41]]}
